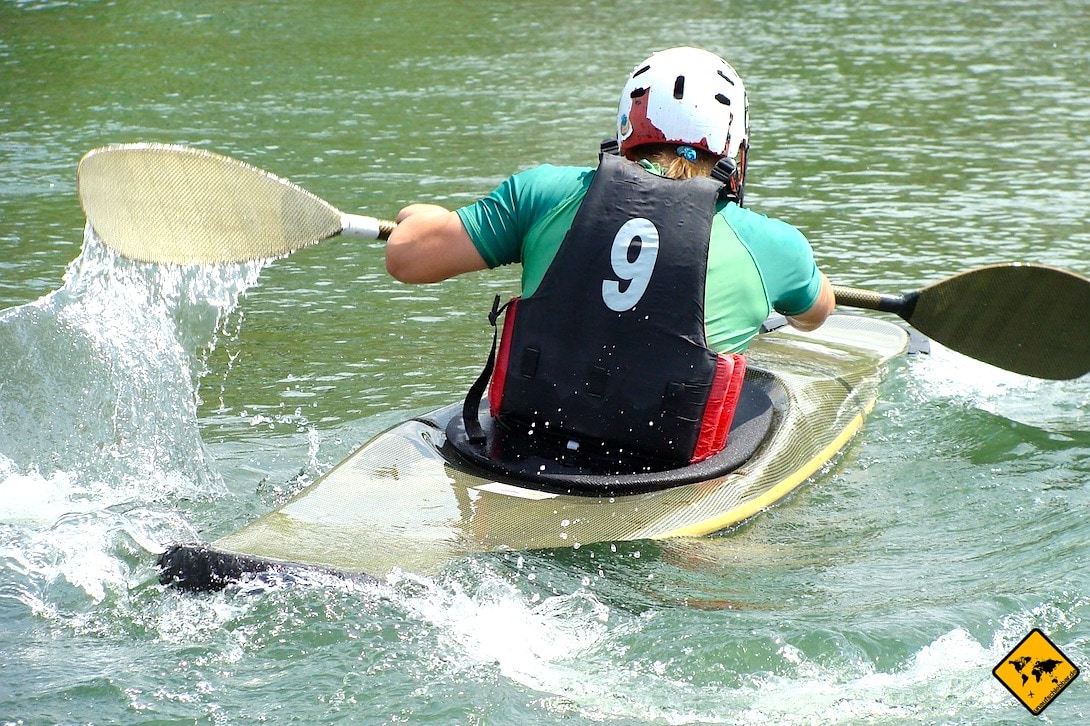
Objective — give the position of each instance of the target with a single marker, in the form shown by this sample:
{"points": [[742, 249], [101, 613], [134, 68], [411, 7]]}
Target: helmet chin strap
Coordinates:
{"points": [[733, 176]]}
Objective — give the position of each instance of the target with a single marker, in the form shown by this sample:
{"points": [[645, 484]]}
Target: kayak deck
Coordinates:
{"points": [[405, 500]]}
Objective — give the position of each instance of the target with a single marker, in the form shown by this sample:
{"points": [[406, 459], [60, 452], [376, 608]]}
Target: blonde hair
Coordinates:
{"points": [[665, 156]]}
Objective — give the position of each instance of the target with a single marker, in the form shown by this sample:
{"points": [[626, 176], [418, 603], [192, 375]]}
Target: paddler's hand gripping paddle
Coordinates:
{"points": [[172, 204]]}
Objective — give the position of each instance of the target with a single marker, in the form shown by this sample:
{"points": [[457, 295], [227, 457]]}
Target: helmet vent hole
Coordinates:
{"points": [[726, 78], [637, 92], [679, 87], [722, 99], [642, 70]]}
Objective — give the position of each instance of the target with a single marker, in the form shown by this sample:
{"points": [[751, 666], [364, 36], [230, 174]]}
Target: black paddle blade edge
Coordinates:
{"points": [[200, 568]]}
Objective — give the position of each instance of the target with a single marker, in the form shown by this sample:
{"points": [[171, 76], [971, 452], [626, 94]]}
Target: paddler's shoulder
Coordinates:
{"points": [[753, 226], [551, 182], [546, 174]]}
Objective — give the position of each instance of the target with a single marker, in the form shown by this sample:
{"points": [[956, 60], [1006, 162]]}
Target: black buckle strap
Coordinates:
{"points": [[471, 416], [609, 146], [726, 171]]}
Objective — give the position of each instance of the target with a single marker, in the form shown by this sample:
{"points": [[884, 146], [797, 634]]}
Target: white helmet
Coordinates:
{"points": [[684, 96]]}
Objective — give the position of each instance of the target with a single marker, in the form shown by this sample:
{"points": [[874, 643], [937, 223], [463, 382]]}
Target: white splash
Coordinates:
{"points": [[98, 420]]}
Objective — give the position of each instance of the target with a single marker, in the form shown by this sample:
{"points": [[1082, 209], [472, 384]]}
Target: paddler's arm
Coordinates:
{"points": [[430, 244], [819, 311]]}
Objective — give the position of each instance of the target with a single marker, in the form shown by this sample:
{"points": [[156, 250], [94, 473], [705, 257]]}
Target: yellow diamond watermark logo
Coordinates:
{"points": [[1035, 672]]}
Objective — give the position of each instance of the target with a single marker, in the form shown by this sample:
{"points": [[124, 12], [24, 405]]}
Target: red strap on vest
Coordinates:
{"points": [[730, 372], [499, 373]]}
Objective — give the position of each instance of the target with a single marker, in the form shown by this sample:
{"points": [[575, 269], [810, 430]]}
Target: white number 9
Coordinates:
{"points": [[642, 234]]}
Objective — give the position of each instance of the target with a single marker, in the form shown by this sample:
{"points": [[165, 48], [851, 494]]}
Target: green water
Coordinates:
{"points": [[138, 406]]}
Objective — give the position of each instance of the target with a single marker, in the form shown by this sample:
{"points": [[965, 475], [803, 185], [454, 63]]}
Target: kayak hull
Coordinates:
{"points": [[407, 500]]}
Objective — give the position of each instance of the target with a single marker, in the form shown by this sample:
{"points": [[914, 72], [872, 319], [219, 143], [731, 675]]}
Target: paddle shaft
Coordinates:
{"points": [[853, 297], [364, 227]]}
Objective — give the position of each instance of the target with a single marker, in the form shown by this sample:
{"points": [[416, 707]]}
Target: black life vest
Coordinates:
{"points": [[611, 347]]}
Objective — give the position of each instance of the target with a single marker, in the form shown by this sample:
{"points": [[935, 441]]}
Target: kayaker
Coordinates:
{"points": [[639, 292]]}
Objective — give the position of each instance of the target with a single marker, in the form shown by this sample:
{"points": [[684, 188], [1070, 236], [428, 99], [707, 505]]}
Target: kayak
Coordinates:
{"points": [[420, 496]]}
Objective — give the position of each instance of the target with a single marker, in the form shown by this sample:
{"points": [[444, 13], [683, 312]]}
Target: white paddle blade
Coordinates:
{"points": [[165, 203]]}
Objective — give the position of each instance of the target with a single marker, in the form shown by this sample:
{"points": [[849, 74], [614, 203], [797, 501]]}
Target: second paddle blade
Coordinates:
{"points": [[1029, 319]]}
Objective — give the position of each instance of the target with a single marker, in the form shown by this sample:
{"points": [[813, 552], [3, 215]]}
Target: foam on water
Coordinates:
{"points": [[477, 629], [578, 650], [947, 374], [493, 623]]}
